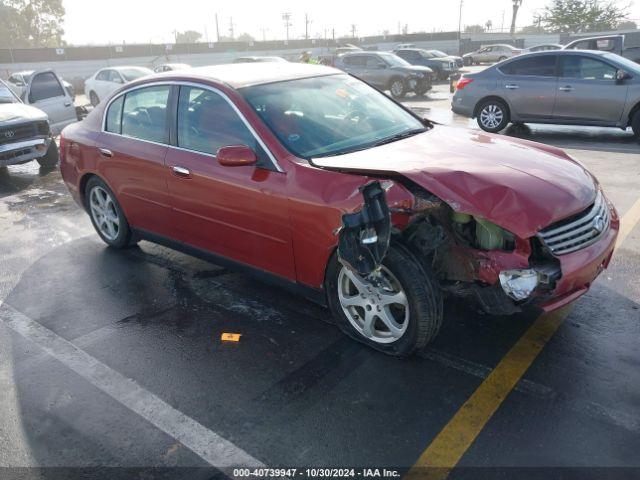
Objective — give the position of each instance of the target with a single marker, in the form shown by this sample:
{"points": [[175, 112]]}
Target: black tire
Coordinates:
{"points": [[398, 88], [501, 117], [93, 98], [424, 301], [502, 58], [124, 237], [51, 158], [635, 124]]}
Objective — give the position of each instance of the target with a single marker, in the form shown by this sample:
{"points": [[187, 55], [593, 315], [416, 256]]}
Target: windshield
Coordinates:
{"points": [[394, 60], [438, 53], [131, 74], [6, 95], [628, 65], [332, 115]]}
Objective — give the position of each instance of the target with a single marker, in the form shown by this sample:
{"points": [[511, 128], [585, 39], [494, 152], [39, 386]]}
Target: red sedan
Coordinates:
{"points": [[310, 178]]}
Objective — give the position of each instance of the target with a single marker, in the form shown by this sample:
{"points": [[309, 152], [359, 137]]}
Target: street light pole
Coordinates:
{"points": [[460, 29]]}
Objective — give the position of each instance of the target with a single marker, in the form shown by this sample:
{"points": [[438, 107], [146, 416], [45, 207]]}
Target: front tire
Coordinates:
{"points": [[50, 159], [493, 115], [106, 214], [398, 318], [93, 98], [635, 124], [398, 88]]}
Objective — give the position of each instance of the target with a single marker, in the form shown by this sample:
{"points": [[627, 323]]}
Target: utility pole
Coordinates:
{"points": [[516, 7], [217, 28], [286, 17], [306, 26], [353, 30], [231, 28], [460, 28]]}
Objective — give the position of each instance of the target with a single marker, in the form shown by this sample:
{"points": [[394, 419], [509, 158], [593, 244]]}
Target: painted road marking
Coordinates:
{"points": [[205, 443], [628, 222], [448, 447]]}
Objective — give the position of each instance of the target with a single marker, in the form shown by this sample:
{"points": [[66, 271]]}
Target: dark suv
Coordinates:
{"points": [[442, 66], [387, 71]]}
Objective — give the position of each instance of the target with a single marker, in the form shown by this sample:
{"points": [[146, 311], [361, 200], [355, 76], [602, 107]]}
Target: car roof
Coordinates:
{"points": [[239, 75]]}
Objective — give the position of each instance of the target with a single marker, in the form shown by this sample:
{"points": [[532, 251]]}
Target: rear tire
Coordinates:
{"points": [[51, 158], [502, 58], [93, 98], [106, 214], [635, 124], [416, 321], [492, 115]]}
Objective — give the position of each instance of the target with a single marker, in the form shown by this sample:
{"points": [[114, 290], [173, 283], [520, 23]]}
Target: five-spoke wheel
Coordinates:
{"points": [[106, 215]]}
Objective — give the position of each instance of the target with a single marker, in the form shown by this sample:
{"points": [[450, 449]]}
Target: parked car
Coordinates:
{"points": [[258, 59], [107, 80], [44, 89], [543, 48], [491, 54], [610, 43], [25, 134], [441, 66], [19, 82], [170, 67], [313, 180], [563, 87], [387, 71], [440, 54]]}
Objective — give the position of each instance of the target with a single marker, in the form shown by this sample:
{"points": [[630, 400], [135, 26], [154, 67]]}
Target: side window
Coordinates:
{"points": [[45, 85], [206, 122], [374, 62], [355, 60], [587, 68], [144, 114], [103, 75], [542, 66], [114, 116], [114, 77]]}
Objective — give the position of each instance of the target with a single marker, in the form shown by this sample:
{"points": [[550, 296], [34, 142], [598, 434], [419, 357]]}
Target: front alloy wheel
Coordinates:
{"points": [[397, 88], [397, 314], [493, 116]]}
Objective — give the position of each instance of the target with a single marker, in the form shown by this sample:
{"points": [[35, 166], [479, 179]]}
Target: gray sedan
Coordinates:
{"points": [[560, 87]]}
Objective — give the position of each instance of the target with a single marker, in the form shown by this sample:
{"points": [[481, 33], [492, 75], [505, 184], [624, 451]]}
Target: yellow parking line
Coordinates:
{"points": [[628, 222], [448, 447]]}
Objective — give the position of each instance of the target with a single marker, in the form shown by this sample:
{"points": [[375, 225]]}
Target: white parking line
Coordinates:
{"points": [[205, 443]]}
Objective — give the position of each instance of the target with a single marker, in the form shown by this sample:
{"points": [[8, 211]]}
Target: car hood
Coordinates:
{"points": [[19, 112], [519, 185], [414, 69]]}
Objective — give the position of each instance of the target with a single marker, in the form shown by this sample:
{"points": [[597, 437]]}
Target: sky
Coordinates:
{"points": [[99, 22]]}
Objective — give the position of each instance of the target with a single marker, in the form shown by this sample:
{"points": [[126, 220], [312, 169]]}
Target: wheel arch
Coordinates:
{"points": [[635, 109]]}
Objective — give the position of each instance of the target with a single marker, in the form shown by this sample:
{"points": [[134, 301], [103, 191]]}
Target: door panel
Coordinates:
{"points": [[47, 93], [587, 91], [238, 212]]}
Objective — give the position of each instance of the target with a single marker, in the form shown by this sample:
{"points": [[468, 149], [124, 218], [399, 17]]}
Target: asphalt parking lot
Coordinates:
{"points": [[114, 358]]}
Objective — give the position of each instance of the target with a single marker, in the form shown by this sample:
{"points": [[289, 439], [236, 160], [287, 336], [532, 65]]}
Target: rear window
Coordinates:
{"points": [[540, 66]]}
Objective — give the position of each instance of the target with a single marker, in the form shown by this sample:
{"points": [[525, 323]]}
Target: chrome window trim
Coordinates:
{"points": [[195, 85]]}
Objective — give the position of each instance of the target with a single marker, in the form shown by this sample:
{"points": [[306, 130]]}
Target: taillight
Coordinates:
{"points": [[463, 82]]}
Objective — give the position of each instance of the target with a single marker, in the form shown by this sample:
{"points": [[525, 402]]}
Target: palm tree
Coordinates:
{"points": [[516, 6]]}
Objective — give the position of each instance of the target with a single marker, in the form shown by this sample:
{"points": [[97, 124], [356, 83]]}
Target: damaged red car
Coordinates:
{"points": [[312, 179]]}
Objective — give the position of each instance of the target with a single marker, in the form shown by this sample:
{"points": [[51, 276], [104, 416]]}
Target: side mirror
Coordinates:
{"points": [[236, 156], [621, 76]]}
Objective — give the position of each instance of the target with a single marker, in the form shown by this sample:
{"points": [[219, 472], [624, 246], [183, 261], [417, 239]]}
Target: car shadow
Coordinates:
{"points": [[18, 178]]}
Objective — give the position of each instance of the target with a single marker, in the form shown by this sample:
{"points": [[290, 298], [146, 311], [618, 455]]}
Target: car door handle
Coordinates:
{"points": [[106, 153], [181, 171], [67, 104], [511, 86], [566, 88]]}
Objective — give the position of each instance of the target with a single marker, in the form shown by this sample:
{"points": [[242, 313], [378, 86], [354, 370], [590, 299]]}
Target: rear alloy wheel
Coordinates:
{"points": [[398, 316], [106, 215], [93, 98], [398, 88], [493, 116]]}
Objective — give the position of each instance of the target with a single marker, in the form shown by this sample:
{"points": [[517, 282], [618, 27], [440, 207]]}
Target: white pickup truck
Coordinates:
{"points": [[45, 90]]}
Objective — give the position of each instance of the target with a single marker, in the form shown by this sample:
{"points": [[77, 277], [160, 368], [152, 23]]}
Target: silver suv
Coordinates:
{"points": [[569, 87], [387, 71]]}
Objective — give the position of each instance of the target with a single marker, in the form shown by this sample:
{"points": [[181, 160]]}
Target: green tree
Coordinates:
{"points": [[575, 16], [188, 36], [533, 30], [474, 29], [245, 37], [31, 23]]}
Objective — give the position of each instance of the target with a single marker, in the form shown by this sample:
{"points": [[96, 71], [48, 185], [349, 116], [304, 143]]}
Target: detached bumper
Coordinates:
{"points": [[23, 151]]}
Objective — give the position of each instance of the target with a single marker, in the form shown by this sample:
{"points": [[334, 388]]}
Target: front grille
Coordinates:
{"points": [[579, 230], [15, 133]]}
